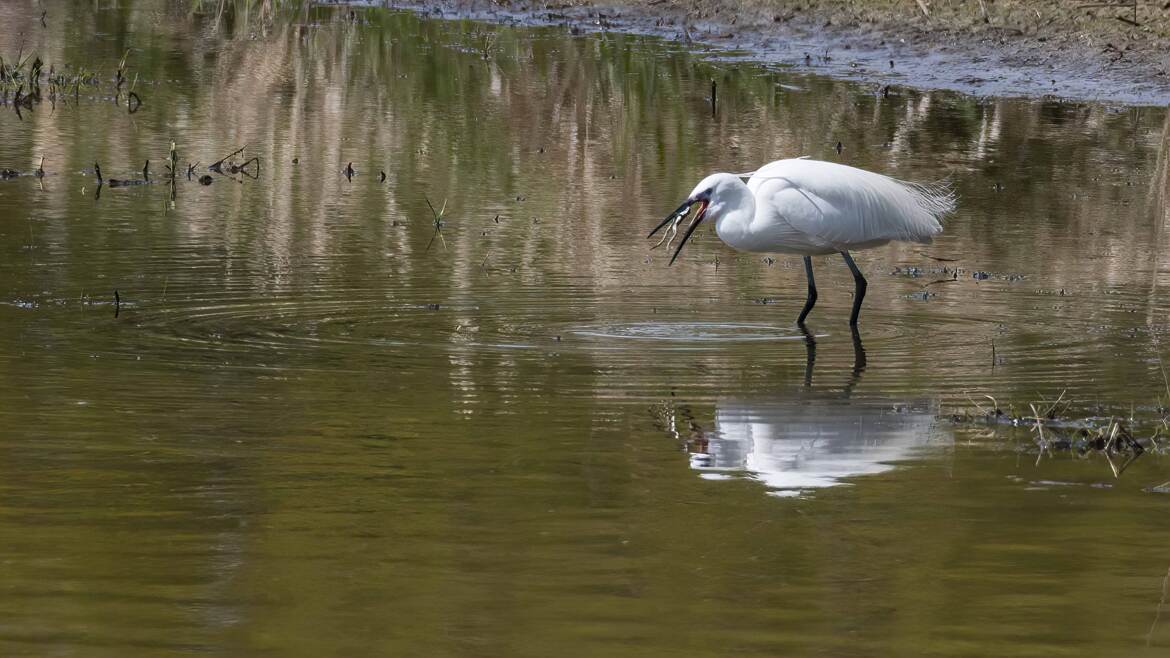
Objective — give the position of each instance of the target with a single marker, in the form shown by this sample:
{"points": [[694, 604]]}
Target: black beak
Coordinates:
{"points": [[690, 229], [681, 210]]}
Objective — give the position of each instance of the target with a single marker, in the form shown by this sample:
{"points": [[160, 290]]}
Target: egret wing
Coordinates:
{"points": [[843, 207], [790, 219]]}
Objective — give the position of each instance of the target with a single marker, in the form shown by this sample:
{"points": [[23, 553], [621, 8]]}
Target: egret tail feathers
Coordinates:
{"points": [[937, 198]]}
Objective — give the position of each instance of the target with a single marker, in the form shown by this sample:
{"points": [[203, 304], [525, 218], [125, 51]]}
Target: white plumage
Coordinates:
{"points": [[813, 208], [824, 207]]}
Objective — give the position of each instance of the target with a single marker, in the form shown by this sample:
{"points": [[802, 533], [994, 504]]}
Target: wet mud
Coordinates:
{"points": [[1007, 48]]}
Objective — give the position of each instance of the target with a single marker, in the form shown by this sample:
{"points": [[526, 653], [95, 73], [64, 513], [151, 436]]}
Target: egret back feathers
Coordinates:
{"points": [[812, 207]]}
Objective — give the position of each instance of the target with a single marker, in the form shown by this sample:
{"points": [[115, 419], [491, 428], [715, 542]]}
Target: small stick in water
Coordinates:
{"points": [[714, 96], [438, 223], [121, 79], [243, 169], [349, 172], [217, 166], [117, 303]]}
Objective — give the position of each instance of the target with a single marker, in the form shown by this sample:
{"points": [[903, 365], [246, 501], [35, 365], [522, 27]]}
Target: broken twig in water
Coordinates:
{"points": [[218, 165], [120, 76], [172, 162], [243, 168], [438, 224]]}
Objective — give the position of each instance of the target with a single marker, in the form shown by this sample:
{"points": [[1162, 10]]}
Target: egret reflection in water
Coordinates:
{"points": [[800, 443], [807, 439]]}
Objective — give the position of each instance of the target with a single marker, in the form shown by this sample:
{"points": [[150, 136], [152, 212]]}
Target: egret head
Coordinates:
{"points": [[711, 195]]}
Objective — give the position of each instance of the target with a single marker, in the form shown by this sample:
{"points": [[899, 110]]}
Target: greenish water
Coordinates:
{"points": [[313, 428]]}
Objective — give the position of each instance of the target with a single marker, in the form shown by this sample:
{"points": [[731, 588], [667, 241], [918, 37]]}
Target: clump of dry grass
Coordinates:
{"points": [[1052, 430]]}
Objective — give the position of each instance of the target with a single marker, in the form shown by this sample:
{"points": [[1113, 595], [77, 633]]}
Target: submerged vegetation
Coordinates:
{"points": [[1051, 431], [25, 83]]}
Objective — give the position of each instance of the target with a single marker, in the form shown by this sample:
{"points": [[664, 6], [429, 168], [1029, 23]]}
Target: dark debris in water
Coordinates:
{"points": [[910, 271], [948, 273], [7, 173], [983, 276], [1051, 432], [225, 165], [678, 421]]}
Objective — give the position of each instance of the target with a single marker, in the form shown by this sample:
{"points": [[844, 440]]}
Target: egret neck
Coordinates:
{"points": [[734, 207]]}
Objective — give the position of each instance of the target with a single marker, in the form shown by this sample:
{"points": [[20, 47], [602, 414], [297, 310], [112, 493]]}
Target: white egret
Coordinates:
{"points": [[813, 208]]}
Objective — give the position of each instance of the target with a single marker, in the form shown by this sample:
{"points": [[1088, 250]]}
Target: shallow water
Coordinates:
{"points": [[311, 426]]}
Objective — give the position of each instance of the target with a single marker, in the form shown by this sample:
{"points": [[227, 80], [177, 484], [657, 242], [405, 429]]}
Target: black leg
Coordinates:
{"points": [[858, 288], [812, 291], [810, 355], [858, 363]]}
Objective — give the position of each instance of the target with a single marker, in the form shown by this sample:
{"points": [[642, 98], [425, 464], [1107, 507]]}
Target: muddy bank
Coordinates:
{"points": [[1004, 48]]}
